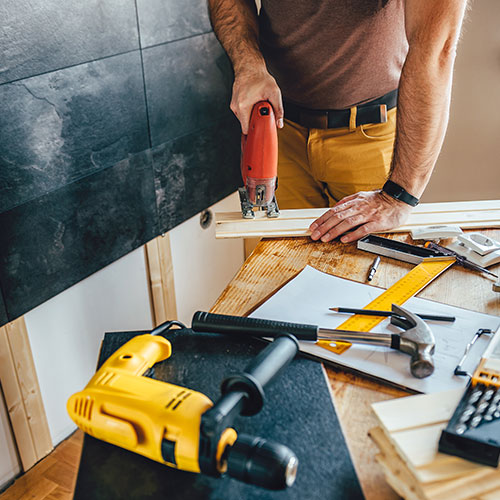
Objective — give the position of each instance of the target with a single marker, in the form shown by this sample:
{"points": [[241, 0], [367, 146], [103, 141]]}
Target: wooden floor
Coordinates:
{"points": [[53, 478]]}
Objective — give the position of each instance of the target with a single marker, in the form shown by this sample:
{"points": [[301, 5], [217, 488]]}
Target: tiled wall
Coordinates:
{"points": [[114, 127]]}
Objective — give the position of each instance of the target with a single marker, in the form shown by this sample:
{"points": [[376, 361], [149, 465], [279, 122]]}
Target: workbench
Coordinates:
{"points": [[275, 261]]}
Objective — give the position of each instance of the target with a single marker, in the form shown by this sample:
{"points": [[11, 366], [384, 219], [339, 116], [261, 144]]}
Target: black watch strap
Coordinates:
{"points": [[398, 193]]}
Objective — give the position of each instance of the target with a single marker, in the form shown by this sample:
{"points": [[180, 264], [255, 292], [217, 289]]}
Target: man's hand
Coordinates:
{"points": [[236, 25], [365, 212], [251, 86]]}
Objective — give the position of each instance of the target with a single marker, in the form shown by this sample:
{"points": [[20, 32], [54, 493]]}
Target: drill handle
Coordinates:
{"points": [[256, 327], [264, 368], [243, 394]]}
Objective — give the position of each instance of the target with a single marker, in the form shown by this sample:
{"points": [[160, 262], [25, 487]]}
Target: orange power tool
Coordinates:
{"points": [[259, 163]]}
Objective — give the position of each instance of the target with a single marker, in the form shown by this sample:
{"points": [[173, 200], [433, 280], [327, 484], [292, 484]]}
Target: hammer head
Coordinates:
{"points": [[417, 340]]}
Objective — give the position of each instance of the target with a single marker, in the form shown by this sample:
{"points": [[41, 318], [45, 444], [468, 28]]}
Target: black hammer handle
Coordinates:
{"points": [[220, 323]]}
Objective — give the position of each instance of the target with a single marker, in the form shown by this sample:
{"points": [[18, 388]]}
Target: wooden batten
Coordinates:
{"points": [[466, 214], [22, 394], [161, 279], [407, 438]]}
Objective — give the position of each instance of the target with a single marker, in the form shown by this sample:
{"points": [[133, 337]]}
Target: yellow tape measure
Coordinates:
{"points": [[408, 286]]}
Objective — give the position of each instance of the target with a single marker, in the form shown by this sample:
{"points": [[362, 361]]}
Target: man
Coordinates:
{"points": [[335, 72]]}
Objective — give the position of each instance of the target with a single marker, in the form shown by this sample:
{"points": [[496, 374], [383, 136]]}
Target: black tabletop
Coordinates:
{"points": [[298, 412]]}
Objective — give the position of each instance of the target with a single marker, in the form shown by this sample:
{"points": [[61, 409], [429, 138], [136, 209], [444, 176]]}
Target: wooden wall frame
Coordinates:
{"points": [[161, 279], [22, 394]]}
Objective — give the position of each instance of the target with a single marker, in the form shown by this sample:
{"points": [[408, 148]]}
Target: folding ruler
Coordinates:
{"points": [[408, 286]]}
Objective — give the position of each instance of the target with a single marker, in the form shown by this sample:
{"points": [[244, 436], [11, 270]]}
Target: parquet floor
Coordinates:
{"points": [[53, 478]]}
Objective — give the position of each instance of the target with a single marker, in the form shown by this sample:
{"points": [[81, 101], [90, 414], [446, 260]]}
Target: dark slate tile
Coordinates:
{"points": [[195, 171], [38, 37], [3, 312], [188, 85], [53, 242], [59, 127], [162, 21]]}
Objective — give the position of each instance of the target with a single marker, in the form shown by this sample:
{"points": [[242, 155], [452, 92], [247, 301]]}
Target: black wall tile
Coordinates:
{"points": [[162, 21], [56, 240], [3, 312], [37, 37], [195, 171], [188, 85], [59, 127]]}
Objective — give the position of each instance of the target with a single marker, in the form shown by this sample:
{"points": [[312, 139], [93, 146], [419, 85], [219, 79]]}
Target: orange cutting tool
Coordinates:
{"points": [[259, 163]]}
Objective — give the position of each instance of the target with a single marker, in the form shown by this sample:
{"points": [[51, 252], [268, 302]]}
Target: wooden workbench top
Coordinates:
{"points": [[275, 261]]}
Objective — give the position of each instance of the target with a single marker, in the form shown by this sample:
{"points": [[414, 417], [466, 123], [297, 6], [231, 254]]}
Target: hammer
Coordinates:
{"points": [[416, 339]]}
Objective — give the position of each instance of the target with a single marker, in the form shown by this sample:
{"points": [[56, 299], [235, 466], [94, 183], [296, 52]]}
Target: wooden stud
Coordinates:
{"points": [[467, 215], [22, 394], [161, 279], [249, 245]]}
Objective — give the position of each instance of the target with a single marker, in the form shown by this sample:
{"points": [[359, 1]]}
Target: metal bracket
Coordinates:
{"points": [[458, 369]]}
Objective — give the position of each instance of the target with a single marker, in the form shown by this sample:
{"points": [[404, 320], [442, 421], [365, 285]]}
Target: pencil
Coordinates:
{"points": [[370, 312]]}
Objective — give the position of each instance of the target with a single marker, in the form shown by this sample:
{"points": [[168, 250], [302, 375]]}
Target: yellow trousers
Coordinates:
{"points": [[318, 167]]}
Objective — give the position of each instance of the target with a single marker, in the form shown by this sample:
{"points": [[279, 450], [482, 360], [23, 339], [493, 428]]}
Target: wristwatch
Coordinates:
{"points": [[399, 193]]}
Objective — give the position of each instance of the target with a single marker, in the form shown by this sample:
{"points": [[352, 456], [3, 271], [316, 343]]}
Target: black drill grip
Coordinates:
{"points": [[220, 323], [270, 361], [264, 368]]}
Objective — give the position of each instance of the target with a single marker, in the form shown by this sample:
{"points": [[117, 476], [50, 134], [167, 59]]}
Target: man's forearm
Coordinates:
{"points": [[424, 98], [423, 112], [236, 26]]}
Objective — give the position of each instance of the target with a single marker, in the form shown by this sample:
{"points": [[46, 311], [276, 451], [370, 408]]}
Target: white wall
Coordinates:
{"points": [[469, 165], [66, 332], [9, 461], [203, 266]]}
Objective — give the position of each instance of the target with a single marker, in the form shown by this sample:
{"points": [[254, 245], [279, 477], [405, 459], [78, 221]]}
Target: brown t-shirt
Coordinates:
{"points": [[332, 54]]}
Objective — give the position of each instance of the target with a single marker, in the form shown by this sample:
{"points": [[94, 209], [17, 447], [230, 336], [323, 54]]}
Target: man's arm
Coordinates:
{"points": [[236, 26], [432, 29]]}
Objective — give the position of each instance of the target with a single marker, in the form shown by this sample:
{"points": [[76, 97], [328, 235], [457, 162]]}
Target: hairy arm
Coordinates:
{"points": [[432, 28], [236, 26]]}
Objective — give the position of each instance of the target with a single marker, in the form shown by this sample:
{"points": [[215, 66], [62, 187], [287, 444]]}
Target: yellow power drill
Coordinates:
{"points": [[180, 427]]}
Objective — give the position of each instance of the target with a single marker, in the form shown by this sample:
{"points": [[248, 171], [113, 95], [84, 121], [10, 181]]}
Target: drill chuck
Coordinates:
{"points": [[256, 461]]}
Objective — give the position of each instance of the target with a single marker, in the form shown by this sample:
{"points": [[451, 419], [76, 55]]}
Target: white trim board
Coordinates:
{"points": [[466, 214]]}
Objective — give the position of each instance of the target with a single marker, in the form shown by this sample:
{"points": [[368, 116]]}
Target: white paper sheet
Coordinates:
{"points": [[308, 297]]}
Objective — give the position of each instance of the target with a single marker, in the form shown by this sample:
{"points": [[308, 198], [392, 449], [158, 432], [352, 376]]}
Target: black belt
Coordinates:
{"points": [[370, 112]]}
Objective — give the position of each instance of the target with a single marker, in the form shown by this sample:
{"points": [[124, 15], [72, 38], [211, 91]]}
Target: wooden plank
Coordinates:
{"points": [[481, 486], [14, 401], [415, 439], [396, 471], [465, 487], [468, 215], [417, 411], [22, 394], [457, 206], [249, 245], [161, 279], [30, 389]]}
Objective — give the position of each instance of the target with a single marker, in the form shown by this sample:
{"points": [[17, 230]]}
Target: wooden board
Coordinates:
{"points": [[161, 279], [408, 438], [404, 483], [22, 394], [275, 261], [467, 215]]}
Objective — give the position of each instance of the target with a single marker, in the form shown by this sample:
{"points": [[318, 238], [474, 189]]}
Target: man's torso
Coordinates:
{"points": [[332, 54]]}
